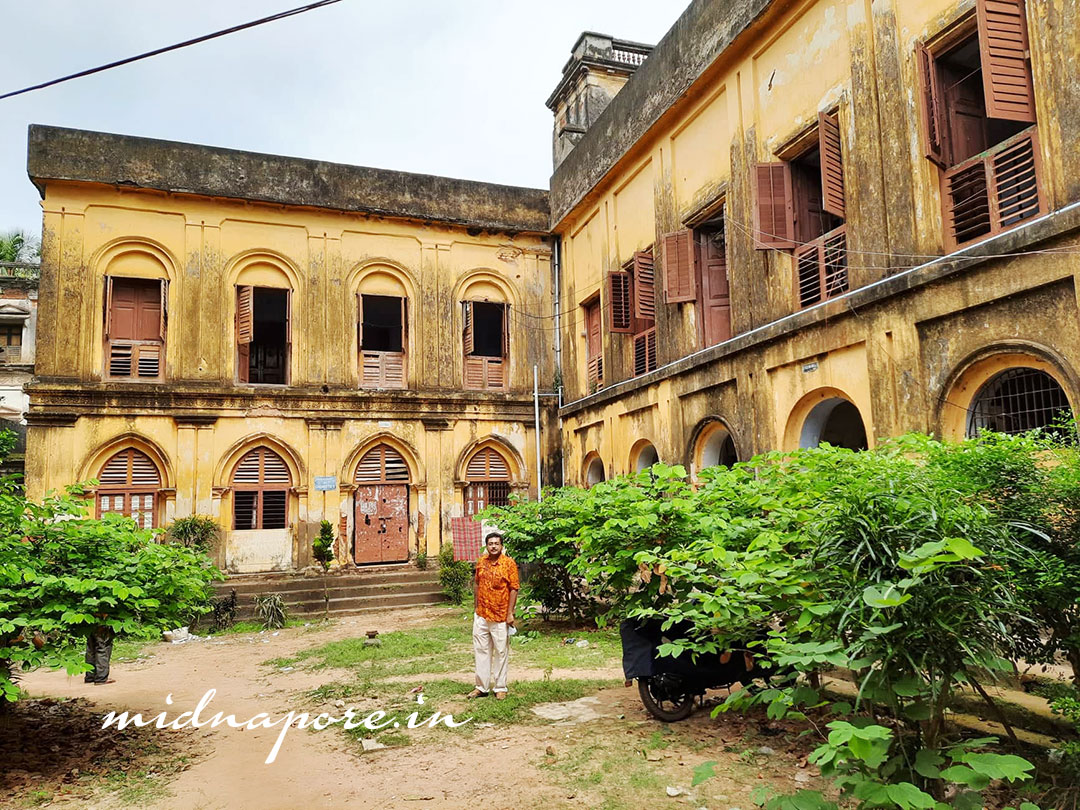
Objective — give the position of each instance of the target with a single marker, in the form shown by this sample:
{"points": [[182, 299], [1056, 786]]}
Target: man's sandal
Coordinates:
{"points": [[475, 693], [500, 695]]}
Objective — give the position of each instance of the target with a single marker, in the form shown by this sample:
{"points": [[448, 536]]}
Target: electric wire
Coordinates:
{"points": [[158, 51]]}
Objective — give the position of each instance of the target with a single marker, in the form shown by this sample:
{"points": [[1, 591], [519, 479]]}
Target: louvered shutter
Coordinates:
{"points": [[832, 164], [1003, 45], [679, 256], [644, 286], [130, 468], [164, 320], [245, 330], [382, 464], [774, 211], [619, 308], [933, 112], [645, 352], [262, 466], [467, 332], [487, 465]]}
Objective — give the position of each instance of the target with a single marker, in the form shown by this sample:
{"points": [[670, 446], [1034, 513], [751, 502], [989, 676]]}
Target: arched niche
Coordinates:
{"points": [[834, 421], [135, 258], [260, 268], [405, 450], [382, 278], [485, 285], [231, 458], [96, 459]]}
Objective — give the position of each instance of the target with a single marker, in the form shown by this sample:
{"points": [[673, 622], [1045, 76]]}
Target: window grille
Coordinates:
{"points": [[1018, 400]]}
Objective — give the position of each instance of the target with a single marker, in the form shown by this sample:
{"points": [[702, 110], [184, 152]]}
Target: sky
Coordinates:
{"points": [[449, 87]]}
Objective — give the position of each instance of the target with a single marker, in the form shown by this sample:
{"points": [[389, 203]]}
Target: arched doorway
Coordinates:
{"points": [[381, 500], [594, 470], [128, 485], [260, 539], [836, 421], [644, 456], [1018, 400], [714, 448], [487, 481]]}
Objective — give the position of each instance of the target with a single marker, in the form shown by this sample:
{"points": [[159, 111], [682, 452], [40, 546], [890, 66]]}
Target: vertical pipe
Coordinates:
{"points": [[536, 426]]}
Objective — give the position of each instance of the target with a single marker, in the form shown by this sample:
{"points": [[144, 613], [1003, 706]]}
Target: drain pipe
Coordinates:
{"points": [[536, 426]]}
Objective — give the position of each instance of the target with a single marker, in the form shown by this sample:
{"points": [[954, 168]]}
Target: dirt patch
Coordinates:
{"points": [[54, 751], [620, 759]]}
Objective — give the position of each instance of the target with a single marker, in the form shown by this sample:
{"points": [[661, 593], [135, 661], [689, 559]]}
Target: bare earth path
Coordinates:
{"points": [[495, 767]]}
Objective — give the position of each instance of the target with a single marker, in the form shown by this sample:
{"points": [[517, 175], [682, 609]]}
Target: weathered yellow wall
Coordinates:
{"points": [[320, 421]]}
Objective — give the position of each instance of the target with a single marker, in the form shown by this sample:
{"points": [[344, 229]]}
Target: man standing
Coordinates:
{"points": [[99, 642], [494, 597]]}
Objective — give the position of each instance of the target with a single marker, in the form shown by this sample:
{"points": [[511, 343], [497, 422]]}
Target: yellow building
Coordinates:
{"points": [[787, 223], [274, 342], [828, 220]]}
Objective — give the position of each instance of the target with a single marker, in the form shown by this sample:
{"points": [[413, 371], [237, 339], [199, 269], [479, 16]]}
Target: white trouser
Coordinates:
{"points": [[492, 653]]}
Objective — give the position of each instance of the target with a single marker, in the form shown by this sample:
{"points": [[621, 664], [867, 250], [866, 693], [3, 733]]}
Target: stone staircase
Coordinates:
{"points": [[354, 591]]}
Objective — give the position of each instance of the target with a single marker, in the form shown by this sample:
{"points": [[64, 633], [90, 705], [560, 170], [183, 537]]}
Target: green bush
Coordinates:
{"points": [[271, 610], [322, 548], [62, 574], [197, 531], [455, 576]]}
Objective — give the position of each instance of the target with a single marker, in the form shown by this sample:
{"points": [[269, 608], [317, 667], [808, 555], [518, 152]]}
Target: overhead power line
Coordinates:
{"points": [[204, 38]]}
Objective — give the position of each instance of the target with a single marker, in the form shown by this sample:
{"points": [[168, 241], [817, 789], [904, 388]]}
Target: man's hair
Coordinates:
{"points": [[491, 534]]}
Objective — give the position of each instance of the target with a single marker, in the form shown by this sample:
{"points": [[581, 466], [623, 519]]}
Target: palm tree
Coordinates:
{"points": [[16, 246]]}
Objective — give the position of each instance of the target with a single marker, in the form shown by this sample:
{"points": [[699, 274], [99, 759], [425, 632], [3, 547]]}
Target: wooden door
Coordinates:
{"points": [[382, 523], [715, 293]]}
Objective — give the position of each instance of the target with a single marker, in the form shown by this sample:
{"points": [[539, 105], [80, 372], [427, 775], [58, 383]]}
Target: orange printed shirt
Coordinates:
{"points": [[494, 581]]}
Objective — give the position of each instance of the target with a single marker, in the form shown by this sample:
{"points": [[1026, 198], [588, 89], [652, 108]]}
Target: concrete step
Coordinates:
{"points": [[356, 591], [350, 605]]}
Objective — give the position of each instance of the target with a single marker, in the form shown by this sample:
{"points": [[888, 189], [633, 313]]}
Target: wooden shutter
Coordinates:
{"points": [[404, 325], [245, 330], [130, 468], [382, 464], [593, 348], [774, 212], [645, 352], [644, 286], [679, 256], [287, 359], [123, 310], [619, 309], [108, 305], [1003, 46], [467, 333], [487, 465], [505, 330], [933, 116], [164, 318], [832, 164]]}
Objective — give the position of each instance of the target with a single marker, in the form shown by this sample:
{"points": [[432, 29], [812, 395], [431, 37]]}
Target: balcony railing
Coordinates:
{"points": [[20, 270], [994, 190], [10, 354], [821, 269]]}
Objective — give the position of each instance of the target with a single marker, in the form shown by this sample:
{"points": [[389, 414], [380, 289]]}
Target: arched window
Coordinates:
{"points": [[594, 472], [261, 484], [1017, 400], [381, 507], [129, 484], [487, 477], [646, 457]]}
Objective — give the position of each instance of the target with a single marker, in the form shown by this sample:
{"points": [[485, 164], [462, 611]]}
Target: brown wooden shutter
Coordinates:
{"points": [[644, 286], [645, 352], [505, 330], [245, 330], [164, 319], [124, 310], [108, 305], [679, 256], [404, 325], [467, 333], [619, 309], [832, 164], [774, 213], [288, 336], [1003, 45], [933, 114]]}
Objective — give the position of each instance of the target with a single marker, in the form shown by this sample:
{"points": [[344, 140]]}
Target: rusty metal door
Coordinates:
{"points": [[382, 523]]}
